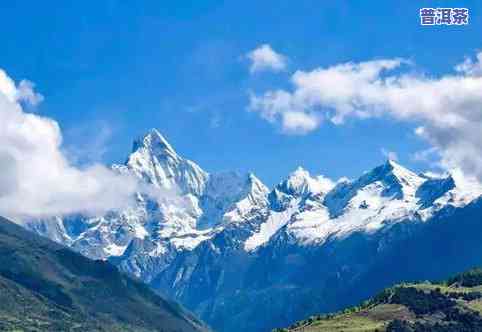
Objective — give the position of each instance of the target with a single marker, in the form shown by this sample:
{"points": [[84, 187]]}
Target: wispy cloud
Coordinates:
{"points": [[264, 58], [391, 155], [447, 109]]}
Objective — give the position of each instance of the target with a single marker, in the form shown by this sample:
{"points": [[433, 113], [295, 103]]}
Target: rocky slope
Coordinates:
{"points": [[243, 256]]}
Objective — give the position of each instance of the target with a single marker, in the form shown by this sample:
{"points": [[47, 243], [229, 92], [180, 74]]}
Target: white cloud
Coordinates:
{"points": [[37, 179], [470, 67], [265, 58], [447, 109], [298, 122], [391, 155]]}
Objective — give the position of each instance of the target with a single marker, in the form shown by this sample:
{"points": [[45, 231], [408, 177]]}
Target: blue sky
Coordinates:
{"points": [[110, 71]]}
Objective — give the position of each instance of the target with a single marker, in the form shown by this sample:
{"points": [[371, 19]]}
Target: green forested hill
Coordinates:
{"points": [[451, 306], [46, 287]]}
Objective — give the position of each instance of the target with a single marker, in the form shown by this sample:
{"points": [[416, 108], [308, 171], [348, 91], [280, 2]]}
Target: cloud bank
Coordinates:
{"points": [[447, 110], [264, 58], [36, 179]]}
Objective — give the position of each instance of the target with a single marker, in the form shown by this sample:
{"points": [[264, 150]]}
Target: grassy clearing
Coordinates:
{"points": [[476, 305], [346, 323], [370, 320]]}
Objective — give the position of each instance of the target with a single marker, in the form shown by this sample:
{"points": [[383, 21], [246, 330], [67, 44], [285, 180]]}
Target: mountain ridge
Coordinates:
{"points": [[45, 286]]}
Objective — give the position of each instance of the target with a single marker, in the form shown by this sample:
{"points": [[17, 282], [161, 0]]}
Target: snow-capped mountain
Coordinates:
{"points": [[155, 161], [191, 207], [225, 245]]}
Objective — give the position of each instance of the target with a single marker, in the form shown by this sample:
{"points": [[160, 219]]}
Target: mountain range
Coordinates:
{"points": [[248, 258]]}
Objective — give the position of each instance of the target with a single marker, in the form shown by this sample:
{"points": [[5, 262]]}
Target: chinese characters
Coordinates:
{"points": [[444, 16]]}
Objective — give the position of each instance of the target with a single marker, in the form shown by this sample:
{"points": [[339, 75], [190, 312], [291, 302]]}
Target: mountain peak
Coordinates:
{"points": [[300, 182], [389, 180], [392, 163], [154, 160], [257, 186], [299, 174], [254, 180], [155, 142], [390, 166], [394, 171]]}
